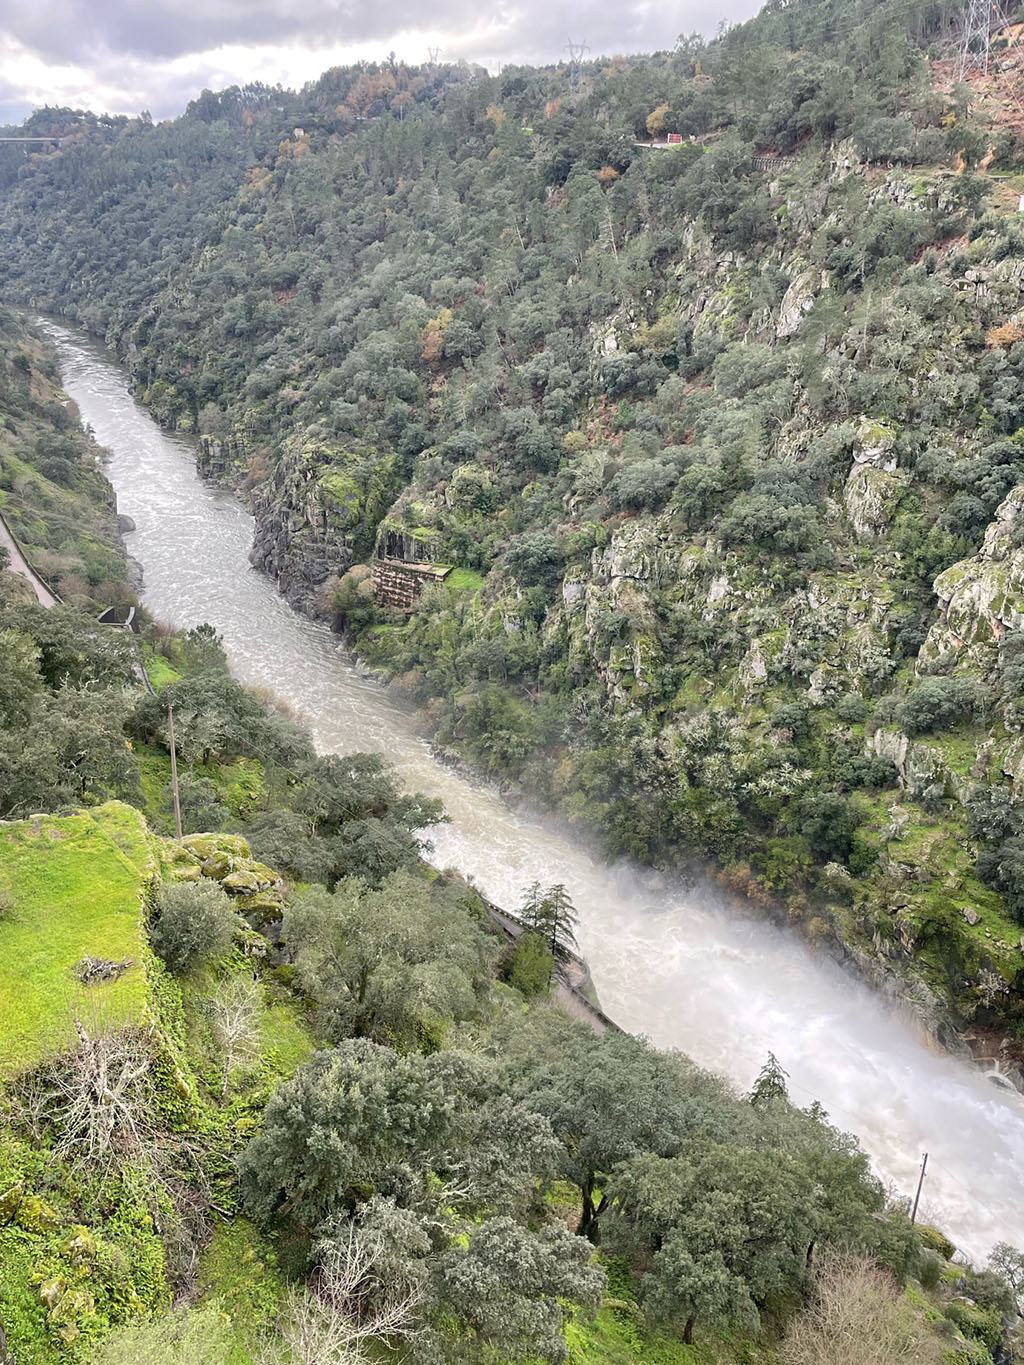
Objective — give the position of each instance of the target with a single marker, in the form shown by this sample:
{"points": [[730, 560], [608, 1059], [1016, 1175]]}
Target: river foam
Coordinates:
{"points": [[672, 963]]}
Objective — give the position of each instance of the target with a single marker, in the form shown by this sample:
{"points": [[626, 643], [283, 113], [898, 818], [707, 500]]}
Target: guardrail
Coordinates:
{"points": [[36, 579]]}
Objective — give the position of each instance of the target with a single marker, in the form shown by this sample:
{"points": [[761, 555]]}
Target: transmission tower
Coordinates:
{"points": [[975, 39], [433, 53], [576, 51]]}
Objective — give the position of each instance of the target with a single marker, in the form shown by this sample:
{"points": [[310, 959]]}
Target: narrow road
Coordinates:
{"points": [[19, 564]]}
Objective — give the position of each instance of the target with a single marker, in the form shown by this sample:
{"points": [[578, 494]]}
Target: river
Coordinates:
{"points": [[676, 965]]}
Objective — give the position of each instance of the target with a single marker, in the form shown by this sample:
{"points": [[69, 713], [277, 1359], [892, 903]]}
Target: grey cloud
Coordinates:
{"points": [[127, 46], [166, 29]]}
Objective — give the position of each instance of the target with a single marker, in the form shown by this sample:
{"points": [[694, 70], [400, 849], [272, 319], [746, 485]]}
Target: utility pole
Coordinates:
{"points": [[920, 1182], [174, 771]]}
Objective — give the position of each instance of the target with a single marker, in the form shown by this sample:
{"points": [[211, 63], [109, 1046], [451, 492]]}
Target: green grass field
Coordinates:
{"points": [[75, 882]]}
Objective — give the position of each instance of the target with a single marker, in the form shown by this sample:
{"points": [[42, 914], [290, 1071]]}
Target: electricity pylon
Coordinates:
{"points": [[975, 39]]}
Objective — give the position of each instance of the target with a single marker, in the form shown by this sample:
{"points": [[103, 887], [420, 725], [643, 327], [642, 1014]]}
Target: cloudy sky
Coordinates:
{"points": [[122, 56]]}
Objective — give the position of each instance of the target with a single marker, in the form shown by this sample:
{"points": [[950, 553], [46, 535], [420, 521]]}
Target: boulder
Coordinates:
{"points": [[871, 495], [798, 301]]}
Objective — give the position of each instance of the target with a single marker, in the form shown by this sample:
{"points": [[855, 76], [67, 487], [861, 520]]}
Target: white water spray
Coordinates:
{"points": [[675, 965]]}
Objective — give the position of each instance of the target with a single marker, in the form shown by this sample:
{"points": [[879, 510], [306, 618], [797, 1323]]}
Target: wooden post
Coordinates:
{"points": [[920, 1182], [174, 771]]}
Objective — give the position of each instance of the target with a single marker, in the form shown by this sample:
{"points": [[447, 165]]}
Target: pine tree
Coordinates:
{"points": [[552, 914]]}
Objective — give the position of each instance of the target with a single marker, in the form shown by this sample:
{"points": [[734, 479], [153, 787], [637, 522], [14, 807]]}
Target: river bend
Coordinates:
{"points": [[676, 965]]}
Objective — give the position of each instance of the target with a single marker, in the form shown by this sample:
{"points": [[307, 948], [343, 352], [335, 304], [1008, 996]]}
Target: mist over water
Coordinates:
{"points": [[674, 964]]}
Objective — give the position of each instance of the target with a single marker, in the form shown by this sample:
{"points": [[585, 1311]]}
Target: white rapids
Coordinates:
{"points": [[678, 965]]}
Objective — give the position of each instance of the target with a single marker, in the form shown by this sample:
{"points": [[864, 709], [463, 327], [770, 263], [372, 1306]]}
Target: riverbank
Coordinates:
{"points": [[678, 966]]}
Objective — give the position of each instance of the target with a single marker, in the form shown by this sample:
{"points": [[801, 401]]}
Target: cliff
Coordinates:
{"points": [[722, 440]]}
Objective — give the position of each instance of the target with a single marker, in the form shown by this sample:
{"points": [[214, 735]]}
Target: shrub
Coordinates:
{"points": [[644, 485], [534, 558], [851, 708], [201, 1336], [194, 923], [531, 965], [937, 703], [983, 1324]]}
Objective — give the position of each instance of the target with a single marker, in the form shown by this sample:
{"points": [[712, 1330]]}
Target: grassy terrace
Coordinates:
{"points": [[75, 882]]}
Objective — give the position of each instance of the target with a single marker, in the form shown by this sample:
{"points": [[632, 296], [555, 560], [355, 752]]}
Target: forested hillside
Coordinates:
{"points": [[276, 1093], [720, 437]]}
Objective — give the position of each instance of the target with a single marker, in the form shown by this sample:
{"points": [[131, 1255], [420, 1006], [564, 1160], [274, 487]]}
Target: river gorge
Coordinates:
{"points": [[674, 964]]}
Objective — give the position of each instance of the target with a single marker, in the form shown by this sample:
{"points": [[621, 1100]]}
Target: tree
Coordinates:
{"points": [[74, 650], [352, 803], [235, 1012], [726, 1229], [612, 1097], [531, 965], [395, 964], [1008, 1262], [770, 1084], [20, 680], [347, 1308], [859, 1315], [552, 915], [193, 923], [534, 558], [216, 717], [506, 1282], [361, 1118], [339, 1127], [199, 798]]}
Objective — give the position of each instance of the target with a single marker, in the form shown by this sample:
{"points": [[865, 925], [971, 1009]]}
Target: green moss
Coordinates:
{"points": [[160, 670], [77, 881], [239, 1272], [464, 580], [287, 1040]]}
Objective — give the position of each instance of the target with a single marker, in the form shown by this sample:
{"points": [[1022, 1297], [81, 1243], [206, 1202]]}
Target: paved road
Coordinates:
{"points": [[18, 563]]}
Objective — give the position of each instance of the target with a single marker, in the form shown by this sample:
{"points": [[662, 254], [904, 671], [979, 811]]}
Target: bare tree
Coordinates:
{"points": [[346, 1308], [103, 1099], [860, 1317], [235, 1017]]}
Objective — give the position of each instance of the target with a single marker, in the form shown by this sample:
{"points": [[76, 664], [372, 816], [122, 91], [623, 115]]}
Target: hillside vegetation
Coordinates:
{"points": [[276, 1093], [721, 437]]}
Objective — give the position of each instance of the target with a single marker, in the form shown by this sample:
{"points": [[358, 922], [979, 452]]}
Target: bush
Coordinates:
{"points": [[937, 703], [194, 923], [201, 1336], [851, 708], [534, 558], [983, 1324], [531, 965]]}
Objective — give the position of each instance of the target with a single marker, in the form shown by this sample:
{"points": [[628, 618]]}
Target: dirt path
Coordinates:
{"points": [[19, 564]]}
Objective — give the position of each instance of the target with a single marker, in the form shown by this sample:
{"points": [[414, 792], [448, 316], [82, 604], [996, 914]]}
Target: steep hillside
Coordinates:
{"points": [[722, 438], [53, 493]]}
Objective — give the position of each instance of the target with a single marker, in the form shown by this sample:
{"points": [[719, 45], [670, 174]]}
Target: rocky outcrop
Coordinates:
{"points": [[920, 766], [873, 485], [307, 512], [983, 596], [798, 301]]}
